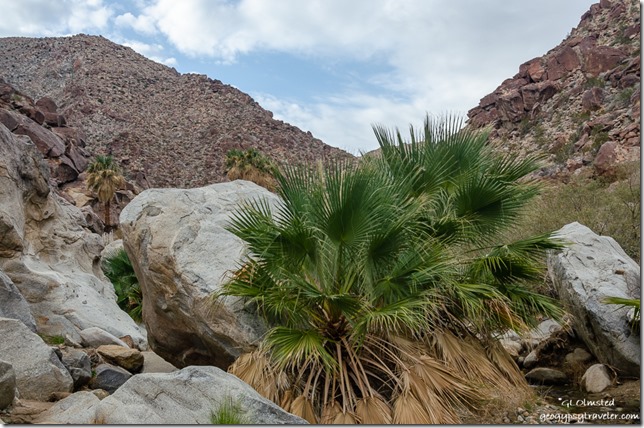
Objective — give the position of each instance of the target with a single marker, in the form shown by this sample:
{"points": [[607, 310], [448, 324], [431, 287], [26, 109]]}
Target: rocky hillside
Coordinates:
{"points": [[169, 128], [580, 102]]}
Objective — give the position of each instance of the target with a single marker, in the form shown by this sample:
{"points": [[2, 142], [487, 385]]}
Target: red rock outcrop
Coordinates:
{"points": [[580, 102]]}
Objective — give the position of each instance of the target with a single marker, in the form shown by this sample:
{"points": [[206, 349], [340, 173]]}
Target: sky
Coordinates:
{"points": [[331, 67]]}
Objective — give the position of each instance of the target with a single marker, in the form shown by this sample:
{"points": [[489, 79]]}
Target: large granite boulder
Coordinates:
{"points": [[39, 372], [181, 253], [13, 304], [48, 254], [587, 271], [7, 384], [188, 396]]}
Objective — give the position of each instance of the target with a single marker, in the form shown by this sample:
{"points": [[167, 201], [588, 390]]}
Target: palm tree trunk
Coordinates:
{"points": [[107, 216]]}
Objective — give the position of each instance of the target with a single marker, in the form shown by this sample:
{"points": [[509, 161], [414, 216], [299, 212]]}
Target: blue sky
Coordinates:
{"points": [[332, 67]]}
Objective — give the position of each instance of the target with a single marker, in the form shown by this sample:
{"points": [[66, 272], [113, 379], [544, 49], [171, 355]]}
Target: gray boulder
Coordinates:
{"points": [[77, 409], [93, 337], [79, 366], [577, 357], [587, 271], [109, 377], [39, 372], [152, 363], [186, 397], [7, 384], [182, 253], [48, 254], [546, 376], [13, 304], [596, 378]]}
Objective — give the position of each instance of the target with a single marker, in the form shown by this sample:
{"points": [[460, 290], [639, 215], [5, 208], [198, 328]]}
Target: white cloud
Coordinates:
{"points": [[142, 23], [443, 56], [63, 17], [345, 121]]}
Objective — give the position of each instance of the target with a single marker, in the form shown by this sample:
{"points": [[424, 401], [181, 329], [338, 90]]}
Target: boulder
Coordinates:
{"points": [[48, 254], [596, 379], [531, 359], [77, 409], [181, 253], [546, 376], [587, 271], [152, 363], [130, 359], [540, 333], [7, 384], [592, 99], [109, 377], [94, 337], [186, 397], [13, 304], [601, 58], [577, 357], [38, 370], [48, 143], [78, 364]]}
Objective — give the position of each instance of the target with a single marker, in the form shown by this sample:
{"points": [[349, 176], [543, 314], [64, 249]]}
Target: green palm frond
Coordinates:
{"points": [[293, 347]]}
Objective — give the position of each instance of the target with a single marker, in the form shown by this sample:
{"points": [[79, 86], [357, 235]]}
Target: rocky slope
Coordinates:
{"points": [[173, 129], [580, 102]]}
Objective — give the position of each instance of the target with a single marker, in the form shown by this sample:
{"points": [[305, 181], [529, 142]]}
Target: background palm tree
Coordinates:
{"points": [[384, 281], [104, 177], [250, 165]]}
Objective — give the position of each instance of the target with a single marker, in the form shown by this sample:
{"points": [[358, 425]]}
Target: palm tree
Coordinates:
{"points": [[119, 270], [104, 177], [382, 285], [250, 165]]}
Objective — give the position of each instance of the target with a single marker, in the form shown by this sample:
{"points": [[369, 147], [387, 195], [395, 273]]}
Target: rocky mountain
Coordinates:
{"points": [[170, 129], [580, 102]]}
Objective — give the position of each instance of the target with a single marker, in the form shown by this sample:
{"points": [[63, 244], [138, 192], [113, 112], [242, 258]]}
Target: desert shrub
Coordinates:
{"points": [[611, 209], [118, 268]]}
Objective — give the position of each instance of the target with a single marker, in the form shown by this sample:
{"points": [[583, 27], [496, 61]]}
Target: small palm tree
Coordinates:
{"points": [[104, 177], [384, 285], [119, 270], [250, 165]]}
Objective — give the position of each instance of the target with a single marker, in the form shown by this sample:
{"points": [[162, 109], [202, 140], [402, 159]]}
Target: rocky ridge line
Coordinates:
{"points": [[172, 128], [580, 102]]}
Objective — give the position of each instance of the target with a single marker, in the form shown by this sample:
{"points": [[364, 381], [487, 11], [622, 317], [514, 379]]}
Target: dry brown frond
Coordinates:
{"points": [[344, 419], [504, 362], [469, 359], [329, 413], [409, 411], [255, 369], [303, 407], [373, 411], [287, 400]]}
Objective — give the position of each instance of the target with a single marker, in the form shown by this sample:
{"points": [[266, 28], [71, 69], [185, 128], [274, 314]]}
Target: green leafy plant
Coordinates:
{"points": [[229, 413], [384, 281], [52, 340], [118, 268], [250, 165]]}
